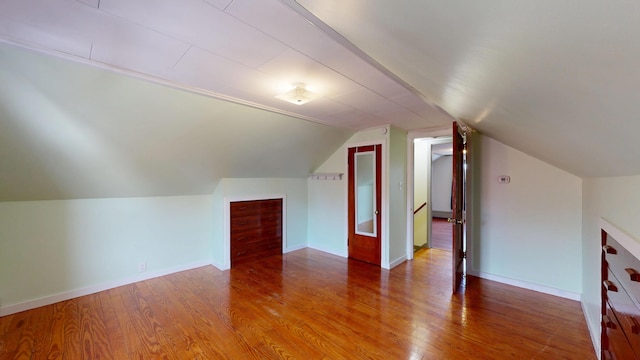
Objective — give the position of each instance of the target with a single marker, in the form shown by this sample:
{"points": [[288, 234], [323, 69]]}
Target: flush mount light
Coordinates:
{"points": [[298, 95]]}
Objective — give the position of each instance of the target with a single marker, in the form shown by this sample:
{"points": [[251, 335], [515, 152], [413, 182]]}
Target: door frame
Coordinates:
{"points": [[443, 131], [446, 139], [355, 235], [384, 235]]}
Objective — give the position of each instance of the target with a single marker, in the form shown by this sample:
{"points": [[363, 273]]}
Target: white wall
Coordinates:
{"points": [[62, 247], [441, 180], [529, 230], [295, 191], [617, 200]]}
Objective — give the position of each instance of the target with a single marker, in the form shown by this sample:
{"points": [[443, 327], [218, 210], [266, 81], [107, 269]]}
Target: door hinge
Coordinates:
{"points": [[463, 254]]}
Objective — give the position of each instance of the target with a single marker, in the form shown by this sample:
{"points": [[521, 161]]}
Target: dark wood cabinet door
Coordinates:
{"points": [[255, 230]]}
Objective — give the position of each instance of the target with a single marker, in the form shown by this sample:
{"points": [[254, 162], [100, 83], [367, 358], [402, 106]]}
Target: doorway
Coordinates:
{"points": [[432, 187], [460, 196]]}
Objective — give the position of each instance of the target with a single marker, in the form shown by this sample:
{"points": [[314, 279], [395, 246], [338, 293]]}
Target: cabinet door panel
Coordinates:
{"points": [[255, 230], [618, 344]]}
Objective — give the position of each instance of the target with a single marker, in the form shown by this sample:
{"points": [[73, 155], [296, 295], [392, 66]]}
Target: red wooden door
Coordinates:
{"points": [[457, 220], [365, 193]]}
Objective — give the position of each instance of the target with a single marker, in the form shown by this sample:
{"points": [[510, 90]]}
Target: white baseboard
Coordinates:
{"points": [[221, 266], [66, 295], [595, 333], [294, 248], [344, 254], [441, 214], [397, 261], [527, 285]]}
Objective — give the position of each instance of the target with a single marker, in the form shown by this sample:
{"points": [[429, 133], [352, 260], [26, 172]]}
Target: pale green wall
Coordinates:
{"points": [[219, 257], [55, 247], [295, 191], [327, 198], [528, 230], [397, 175], [421, 173], [617, 200], [52, 247]]}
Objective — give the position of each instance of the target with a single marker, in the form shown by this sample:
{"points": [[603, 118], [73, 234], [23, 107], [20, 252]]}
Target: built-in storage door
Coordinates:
{"points": [[256, 229]]}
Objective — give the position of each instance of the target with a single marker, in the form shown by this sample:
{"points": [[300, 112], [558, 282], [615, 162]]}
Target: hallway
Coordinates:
{"points": [[441, 234]]}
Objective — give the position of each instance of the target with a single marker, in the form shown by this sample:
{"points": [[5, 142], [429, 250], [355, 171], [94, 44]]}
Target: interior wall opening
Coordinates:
{"points": [[432, 191]]}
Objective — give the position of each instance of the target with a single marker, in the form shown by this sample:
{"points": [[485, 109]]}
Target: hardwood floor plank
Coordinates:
{"points": [[304, 305], [441, 234], [55, 347], [25, 341], [42, 337], [170, 311]]}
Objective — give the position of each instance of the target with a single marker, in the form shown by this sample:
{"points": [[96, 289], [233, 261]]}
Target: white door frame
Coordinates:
{"points": [[439, 135], [469, 193]]}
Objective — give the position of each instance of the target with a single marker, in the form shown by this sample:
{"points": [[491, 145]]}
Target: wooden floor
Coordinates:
{"points": [[304, 305], [441, 234]]}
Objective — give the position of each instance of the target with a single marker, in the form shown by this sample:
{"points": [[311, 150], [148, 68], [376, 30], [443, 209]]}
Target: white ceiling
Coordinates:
{"points": [[90, 128], [244, 50], [556, 80]]}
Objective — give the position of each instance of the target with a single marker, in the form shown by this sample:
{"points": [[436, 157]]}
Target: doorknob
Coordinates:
{"points": [[377, 212], [454, 221]]}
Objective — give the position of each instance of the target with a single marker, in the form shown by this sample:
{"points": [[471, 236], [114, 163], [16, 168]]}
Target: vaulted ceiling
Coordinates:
{"points": [[102, 98], [555, 79]]}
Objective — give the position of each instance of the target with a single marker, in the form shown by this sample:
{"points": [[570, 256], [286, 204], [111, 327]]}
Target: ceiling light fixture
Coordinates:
{"points": [[298, 95]]}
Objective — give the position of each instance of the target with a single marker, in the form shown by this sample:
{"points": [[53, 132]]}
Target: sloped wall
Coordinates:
{"points": [[617, 200], [528, 232]]}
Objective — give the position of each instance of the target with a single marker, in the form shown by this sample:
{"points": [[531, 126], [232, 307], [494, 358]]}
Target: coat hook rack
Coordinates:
{"points": [[326, 176]]}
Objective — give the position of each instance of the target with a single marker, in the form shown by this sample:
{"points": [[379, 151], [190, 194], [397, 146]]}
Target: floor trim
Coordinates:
{"points": [[527, 285], [66, 295]]}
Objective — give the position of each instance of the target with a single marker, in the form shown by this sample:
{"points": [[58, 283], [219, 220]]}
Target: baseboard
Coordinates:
{"points": [[595, 333], [221, 266], [52, 299], [294, 248], [344, 254], [527, 285], [397, 262], [441, 214]]}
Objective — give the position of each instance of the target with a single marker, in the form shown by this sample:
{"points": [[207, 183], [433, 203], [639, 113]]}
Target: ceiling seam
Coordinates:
{"points": [[356, 51], [403, 84], [182, 56]]}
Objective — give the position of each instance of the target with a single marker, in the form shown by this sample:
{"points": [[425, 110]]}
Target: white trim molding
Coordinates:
{"points": [[227, 221], [527, 285], [88, 290]]}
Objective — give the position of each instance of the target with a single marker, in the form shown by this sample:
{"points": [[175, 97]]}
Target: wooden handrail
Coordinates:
{"points": [[420, 208]]}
